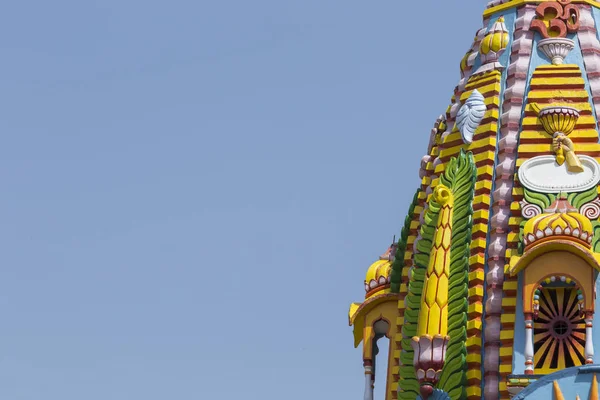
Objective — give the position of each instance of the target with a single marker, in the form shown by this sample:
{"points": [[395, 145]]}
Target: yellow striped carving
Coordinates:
{"points": [[547, 87], [433, 316]]}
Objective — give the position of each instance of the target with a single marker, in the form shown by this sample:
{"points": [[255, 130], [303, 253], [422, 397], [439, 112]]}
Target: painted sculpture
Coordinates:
{"points": [[490, 291], [470, 115]]}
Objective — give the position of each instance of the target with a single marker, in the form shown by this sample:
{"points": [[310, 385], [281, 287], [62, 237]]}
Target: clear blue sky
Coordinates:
{"points": [[192, 191]]}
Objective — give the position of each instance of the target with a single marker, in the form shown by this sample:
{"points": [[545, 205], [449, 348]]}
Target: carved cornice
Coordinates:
{"points": [[517, 3]]}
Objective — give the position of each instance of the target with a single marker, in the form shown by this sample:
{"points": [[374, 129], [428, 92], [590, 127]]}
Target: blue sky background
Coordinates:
{"points": [[192, 191]]}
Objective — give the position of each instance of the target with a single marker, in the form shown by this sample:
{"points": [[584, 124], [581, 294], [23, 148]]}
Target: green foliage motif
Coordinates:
{"points": [[398, 264], [579, 199], [544, 200], [460, 177], [596, 240], [521, 245], [412, 302]]}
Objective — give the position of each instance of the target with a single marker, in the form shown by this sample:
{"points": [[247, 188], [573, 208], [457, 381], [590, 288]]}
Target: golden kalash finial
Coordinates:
{"points": [[559, 122], [496, 40], [492, 46]]}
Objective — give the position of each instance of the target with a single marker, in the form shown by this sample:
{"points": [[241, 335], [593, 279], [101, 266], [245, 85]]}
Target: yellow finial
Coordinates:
{"points": [[557, 393], [594, 389], [496, 39]]}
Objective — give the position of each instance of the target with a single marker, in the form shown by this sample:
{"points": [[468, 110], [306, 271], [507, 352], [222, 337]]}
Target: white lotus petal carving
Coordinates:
{"points": [[470, 115], [542, 174], [556, 49]]}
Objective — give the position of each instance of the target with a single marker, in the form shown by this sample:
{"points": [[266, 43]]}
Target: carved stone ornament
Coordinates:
{"points": [[529, 210], [542, 174], [470, 116], [429, 357], [591, 210], [559, 122], [556, 49], [492, 46], [556, 18]]}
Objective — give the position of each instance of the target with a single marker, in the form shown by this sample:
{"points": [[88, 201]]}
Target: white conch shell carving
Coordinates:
{"points": [[470, 115]]}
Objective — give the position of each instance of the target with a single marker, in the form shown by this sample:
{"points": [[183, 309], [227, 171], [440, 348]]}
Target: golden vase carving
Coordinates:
{"points": [[559, 122]]}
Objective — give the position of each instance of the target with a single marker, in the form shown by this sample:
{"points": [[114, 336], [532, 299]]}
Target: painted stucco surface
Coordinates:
{"points": [[523, 117]]}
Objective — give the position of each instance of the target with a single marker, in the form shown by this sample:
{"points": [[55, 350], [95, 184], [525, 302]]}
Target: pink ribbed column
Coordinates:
{"points": [[590, 48], [502, 195]]}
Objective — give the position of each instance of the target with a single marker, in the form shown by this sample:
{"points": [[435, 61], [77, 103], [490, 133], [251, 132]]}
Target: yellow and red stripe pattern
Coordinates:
{"points": [[556, 85], [484, 153]]}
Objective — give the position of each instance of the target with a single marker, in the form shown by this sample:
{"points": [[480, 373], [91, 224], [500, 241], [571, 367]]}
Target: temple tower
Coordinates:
{"points": [[490, 292]]}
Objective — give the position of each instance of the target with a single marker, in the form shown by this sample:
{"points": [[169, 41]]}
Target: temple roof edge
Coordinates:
{"points": [[496, 6]]}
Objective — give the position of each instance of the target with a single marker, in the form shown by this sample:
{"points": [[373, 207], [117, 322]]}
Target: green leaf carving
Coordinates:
{"points": [[596, 240], [409, 385], [398, 263], [579, 199], [521, 246], [543, 200], [460, 176]]}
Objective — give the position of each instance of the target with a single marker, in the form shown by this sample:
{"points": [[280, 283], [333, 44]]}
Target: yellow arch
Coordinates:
{"points": [[558, 259], [519, 263]]}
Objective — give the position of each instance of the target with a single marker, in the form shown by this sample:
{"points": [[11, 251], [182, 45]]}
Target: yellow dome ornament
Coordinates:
{"points": [[496, 40], [377, 283], [560, 221], [376, 316], [492, 46], [378, 278]]}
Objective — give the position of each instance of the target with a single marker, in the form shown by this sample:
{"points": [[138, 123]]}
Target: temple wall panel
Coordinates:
{"points": [[514, 87], [483, 149]]}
